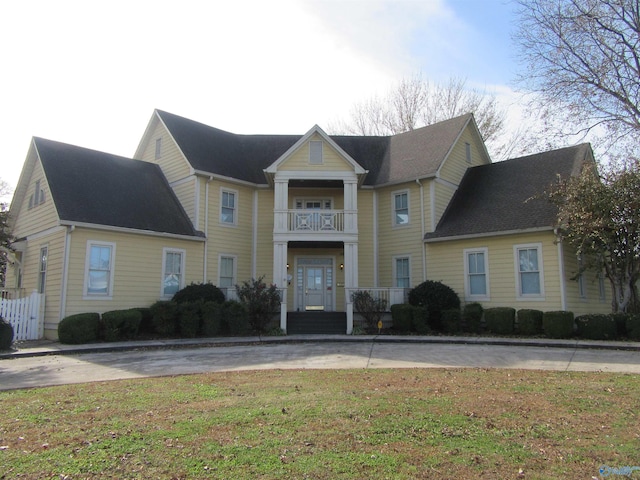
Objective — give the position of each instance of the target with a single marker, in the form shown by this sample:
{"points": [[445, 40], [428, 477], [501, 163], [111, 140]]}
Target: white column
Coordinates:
{"points": [[280, 264], [280, 204], [350, 206], [351, 265]]}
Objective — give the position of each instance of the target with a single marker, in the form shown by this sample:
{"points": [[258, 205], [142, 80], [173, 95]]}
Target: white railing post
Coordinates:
{"points": [[283, 309]]}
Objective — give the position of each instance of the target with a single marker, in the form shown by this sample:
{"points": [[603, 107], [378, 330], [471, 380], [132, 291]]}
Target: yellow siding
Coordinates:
{"points": [[365, 237], [332, 160], [405, 240], [171, 161], [186, 192], [39, 217], [456, 164], [137, 269], [443, 195], [264, 257], [591, 302]]}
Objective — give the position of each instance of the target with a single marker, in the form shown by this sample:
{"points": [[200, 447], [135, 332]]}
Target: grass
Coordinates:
{"points": [[352, 424]]}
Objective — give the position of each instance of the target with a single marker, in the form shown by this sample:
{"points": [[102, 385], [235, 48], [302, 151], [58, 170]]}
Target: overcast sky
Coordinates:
{"points": [[90, 73]]}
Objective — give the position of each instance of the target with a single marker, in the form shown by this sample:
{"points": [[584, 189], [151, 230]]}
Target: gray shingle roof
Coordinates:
{"points": [[505, 196], [93, 187], [410, 155]]}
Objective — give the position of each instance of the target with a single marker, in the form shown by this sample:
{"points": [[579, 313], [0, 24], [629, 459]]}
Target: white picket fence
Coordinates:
{"points": [[26, 315]]}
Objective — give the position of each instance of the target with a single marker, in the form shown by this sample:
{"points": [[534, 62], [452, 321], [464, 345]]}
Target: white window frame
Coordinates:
{"points": [[394, 215], [235, 206], [326, 203], [395, 269], [183, 257], [316, 156], [467, 275], [43, 260], [516, 257], [467, 151], [87, 263], [158, 152], [234, 279]]}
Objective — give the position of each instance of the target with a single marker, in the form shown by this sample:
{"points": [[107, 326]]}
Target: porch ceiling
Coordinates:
{"points": [[316, 244]]}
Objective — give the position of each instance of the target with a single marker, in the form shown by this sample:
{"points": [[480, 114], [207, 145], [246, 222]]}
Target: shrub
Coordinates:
{"points": [[596, 327], [164, 317], [120, 324], [6, 334], [451, 320], [205, 292], [420, 319], [500, 320], [212, 314], [146, 321], [437, 297], [372, 309], [189, 319], [261, 302], [472, 317], [530, 321], [80, 328], [402, 316], [621, 323], [558, 324], [633, 326], [236, 318]]}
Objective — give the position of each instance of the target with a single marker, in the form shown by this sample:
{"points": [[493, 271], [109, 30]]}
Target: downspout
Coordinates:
{"points": [[422, 248], [206, 229], [65, 272], [563, 286], [375, 239], [254, 242]]}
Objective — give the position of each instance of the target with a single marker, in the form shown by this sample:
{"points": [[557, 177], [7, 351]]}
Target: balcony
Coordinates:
{"points": [[316, 222]]}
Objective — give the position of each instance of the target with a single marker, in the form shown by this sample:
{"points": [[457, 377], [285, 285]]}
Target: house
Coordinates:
{"points": [[319, 216]]}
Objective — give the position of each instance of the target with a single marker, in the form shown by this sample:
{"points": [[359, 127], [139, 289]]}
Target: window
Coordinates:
{"points": [[315, 152], [476, 273], [467, 147], [158, 153], [228, 208], [400, 208], [42, 276], [402, 275], [227, 268], [99, 269], [529, 270], [172, 271], [37, 198]]}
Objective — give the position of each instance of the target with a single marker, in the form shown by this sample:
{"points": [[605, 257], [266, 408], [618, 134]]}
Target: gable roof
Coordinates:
{"points": [[389, 159], [503, 196], [92, 187]]}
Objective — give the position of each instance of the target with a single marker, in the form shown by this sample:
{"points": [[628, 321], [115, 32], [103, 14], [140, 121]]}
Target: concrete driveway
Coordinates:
{"points": [[38, 371]]}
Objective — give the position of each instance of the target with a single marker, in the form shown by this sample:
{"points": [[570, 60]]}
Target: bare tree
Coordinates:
{"points": [[582, 60], [5, 234]]}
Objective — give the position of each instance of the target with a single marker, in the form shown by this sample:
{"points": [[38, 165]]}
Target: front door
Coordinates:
{"points": [[315, 284]]}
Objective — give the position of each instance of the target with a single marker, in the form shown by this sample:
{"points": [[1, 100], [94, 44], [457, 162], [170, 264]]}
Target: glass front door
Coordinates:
{"points": [[314, 288], [314, 284]]}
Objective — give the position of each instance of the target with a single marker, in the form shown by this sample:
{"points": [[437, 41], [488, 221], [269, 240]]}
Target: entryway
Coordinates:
{"points": [[315, 284]]}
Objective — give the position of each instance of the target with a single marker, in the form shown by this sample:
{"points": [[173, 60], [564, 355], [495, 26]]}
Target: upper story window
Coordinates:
{"points": [[529, 274], [315, 152], [37, 198], [228, 209], [172, 271], [158, 153], [476, 273], [401, 208], [99, 269]]}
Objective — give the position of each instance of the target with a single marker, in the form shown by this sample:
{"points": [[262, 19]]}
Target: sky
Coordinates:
{"points": [[91, 73]]}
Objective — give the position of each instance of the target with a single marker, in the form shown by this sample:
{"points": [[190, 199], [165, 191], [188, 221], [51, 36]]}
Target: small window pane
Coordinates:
{"points": [[530, 283], [227, 211], [172, 273], [401, 209], [99, 275], [98, 282], [477, 285], [226, 272], [402, 273]]}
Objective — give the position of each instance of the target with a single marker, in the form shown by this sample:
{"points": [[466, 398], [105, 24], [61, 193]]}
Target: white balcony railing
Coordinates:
{"points": [[392, 295], [315, 221]]}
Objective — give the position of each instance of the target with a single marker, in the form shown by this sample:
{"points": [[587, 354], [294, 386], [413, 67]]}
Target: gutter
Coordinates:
{"points": [[487, 234]]}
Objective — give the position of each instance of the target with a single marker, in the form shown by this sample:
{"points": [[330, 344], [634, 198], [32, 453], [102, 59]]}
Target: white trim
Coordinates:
{"points": [[393, 208], [422, 231], [112, 261], [254, 240], [489, 234], [65, 272], [394, 269], [467, 284], [236, 198], [110, 228], [533, 296], [44, 233], [313, 199], [196, 204], [42, 288], [432, 206], [224, 178], [234, 279], [561, 269], [183, 257], [343, 175]]}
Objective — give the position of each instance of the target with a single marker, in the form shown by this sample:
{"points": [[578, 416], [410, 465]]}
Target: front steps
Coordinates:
{"points": [[316, 323]]}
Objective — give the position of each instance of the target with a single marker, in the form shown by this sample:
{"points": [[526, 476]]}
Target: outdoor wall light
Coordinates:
{"points": [[342, 266]]}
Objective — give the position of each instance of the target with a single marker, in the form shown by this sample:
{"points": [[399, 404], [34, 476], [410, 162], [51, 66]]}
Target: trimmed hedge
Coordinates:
{"points": [[164, 314], [621, 323], [633, 326], [80, 328], [558, 324], [120, 324], [189, 319], [451, 320], [212, 315], [472, 317], [596, 327], [500, 320], [205, 292], [146, 321], [236, 318], [6, 334], [529, 321], [420, 319], [402, 316], [436, 297]]}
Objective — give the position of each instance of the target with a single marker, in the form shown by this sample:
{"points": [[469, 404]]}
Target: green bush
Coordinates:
{"points": [[212, 315], [146, 321], [633, 326], [500, 320], [437, 297], [262, 303], [557, 324], [472, 317], [189, 319], [451, 320], [420, 319], [596, 327], [371, 308], [236, 318], [205, 292], [621, 323], [120, 324], [6, 334], [530, 321], [80, 328], [164, 314], [402, 316]]}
